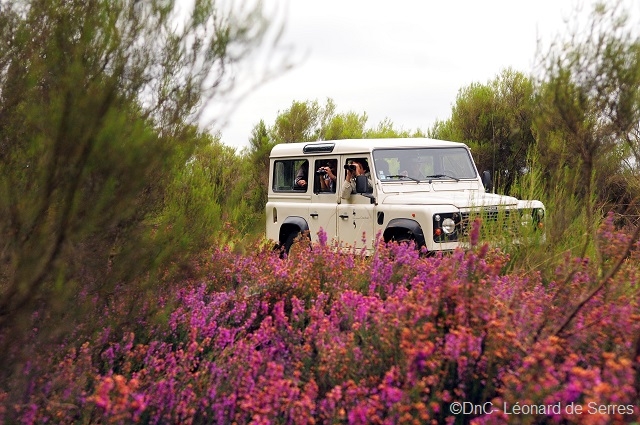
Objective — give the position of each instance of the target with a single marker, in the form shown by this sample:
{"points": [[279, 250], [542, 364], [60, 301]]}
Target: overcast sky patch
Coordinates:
{"points": [[404, 60]]}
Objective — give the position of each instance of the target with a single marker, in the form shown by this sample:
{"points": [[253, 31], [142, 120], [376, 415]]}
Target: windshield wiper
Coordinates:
{"points": [[402, 176], [439, 176]]}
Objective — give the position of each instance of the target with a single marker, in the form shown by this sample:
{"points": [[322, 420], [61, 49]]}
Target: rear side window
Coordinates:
{"points": [[291, 175], [325, 175]]}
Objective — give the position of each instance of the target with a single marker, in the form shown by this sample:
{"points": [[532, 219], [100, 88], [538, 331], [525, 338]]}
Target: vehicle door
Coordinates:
{"points": [[356, 214], [290, 195], [324, 200]]}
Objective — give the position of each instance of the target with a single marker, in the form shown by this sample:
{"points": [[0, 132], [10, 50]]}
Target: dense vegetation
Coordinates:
{"points": [[135, 284], [332, 338]]}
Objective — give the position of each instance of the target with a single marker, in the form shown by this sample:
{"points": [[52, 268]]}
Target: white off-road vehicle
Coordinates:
{"points": [[415, 190]]}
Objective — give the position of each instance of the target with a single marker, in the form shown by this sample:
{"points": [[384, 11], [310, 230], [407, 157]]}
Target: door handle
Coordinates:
{"points": [[344, 216], [314, 215]]}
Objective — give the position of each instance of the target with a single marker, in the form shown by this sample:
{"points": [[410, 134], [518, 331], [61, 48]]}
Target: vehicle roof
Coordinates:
{"points": [[350, 146]]}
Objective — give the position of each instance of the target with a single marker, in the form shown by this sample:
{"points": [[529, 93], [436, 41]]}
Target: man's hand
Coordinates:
{"points": [[349, 175]]}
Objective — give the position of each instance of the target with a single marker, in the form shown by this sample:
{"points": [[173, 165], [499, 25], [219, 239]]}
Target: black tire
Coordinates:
{"points": [[291, 239], [403, 238], [286, 245]]}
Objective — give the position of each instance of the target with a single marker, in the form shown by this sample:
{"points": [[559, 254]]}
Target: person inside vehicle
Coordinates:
{"points": [[328, 176], [412, 168], [302, 176], [354, 168]]}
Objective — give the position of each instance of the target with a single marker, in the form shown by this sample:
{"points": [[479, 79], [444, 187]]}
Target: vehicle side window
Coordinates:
{"points": [[353, 169], [325, 176], [291, 175], [364, 162]]}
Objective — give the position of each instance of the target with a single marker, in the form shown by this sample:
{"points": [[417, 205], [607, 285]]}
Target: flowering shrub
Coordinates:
{"points": [[327, 338]]}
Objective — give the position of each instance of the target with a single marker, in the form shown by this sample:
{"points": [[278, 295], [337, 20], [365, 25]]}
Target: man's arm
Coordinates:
{"points": [[348, 188], [301, 175]]}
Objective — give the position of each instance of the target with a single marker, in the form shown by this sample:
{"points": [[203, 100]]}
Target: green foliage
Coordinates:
{"points": [[385, 129], [349, 125], [308, 121], [303, 122], [569, 139], [495, 121], [443, 130], [196, 203], [588, 108], [256, 182], [96, 101]]}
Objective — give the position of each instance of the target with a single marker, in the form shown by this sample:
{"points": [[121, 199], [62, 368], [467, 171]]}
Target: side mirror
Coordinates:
{"points": [[362, 185], [487, 182], [363, 188]]}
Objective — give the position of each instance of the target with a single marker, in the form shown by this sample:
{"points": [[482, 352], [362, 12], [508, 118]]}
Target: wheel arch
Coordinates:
{"points": [[398, 227], [292, 224]]}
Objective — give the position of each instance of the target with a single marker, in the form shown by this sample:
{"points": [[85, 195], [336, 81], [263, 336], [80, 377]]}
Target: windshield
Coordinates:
{"points": [[421, 164]]}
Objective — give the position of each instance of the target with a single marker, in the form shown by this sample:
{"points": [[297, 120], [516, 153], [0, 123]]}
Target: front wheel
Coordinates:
{"points": [[409, 240], [291, 239], [404, 238], [286, 245]]}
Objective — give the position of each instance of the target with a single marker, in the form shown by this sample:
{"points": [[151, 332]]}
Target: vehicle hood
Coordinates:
{"points": [[459, 200]]}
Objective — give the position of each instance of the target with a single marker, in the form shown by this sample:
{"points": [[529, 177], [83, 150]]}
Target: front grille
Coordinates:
{"points": [[495, 222], [487, 217]]}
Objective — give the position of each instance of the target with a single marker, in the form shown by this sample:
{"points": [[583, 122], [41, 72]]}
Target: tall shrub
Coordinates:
{"points": [[95, 102]]}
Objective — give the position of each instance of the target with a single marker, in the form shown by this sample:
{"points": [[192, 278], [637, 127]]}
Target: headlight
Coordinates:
{"points": [[448, 226]]}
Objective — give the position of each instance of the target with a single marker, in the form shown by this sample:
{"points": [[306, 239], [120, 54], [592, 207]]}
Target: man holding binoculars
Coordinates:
{"points": [[354, 168], [327, 176]]}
